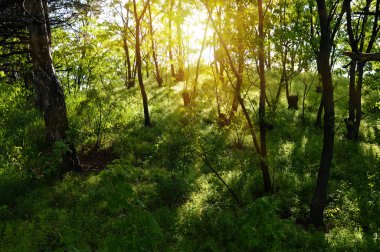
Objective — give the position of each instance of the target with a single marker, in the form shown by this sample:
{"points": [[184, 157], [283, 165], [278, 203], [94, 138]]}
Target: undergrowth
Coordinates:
{"points": [[162, 193]]}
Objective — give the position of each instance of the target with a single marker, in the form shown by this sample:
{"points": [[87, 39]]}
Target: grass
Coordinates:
{"points": [[159, 194]]}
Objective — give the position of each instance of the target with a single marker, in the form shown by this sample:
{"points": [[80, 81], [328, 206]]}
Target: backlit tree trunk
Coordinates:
{"points": [[154, 54]]}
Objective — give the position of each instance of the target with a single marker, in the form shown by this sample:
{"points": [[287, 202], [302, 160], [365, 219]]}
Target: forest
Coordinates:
{"points": [[189, 125]]}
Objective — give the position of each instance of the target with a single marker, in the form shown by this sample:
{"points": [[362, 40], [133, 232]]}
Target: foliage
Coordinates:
{"points": [[188, 182]]}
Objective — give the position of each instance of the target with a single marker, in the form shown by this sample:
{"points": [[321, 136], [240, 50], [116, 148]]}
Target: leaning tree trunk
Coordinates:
{"points": [[261, 153], [139, 66], [317, 205], [47, 85]]}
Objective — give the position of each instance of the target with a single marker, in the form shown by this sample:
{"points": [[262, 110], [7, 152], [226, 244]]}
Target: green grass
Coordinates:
{"points": [[159, 195]]}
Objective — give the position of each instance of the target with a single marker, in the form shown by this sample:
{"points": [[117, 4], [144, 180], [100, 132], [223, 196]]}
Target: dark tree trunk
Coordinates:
{"points": [[359, 59], [317, 205], [129, 81], [139, 66], [263, 127], [47, 85], [129, 78], [351, 102], [358, 101], [147, 66], [318, 121]]}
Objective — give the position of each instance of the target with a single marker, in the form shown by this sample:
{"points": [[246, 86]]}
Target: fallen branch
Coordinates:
{"points": [[207, 163]]}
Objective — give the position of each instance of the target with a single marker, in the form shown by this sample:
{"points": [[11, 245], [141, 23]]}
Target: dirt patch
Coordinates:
{"points": [[95, 160]]}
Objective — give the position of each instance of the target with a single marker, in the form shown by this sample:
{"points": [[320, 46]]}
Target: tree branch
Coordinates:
{"points": [[363, 57]]}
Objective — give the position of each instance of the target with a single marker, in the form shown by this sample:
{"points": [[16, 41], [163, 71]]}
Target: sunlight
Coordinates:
{"points": [[195, 29]]}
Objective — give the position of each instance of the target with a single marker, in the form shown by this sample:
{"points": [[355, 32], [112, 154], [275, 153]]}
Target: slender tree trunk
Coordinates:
{"points": [[260, 153], [47, 84], [180, 76], [318, 121], [359, 59], [240, 69], [263, 127], [352, 92], [317, 205], [358, 101], [139, 67], [170, 40], [129, 81], [351, 102], [154, 54], [193, 95]]}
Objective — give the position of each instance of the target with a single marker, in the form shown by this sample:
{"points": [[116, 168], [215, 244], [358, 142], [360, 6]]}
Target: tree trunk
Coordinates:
{"points": [[263, 127], [47, 84], [180, 76], [139, 67], [170, 40], [359, 60], [240, 69], [129, 81], [154, 54], [260, 153], [351, 102], [358, 101], [193, 94], [318, 121], [317, 205]]}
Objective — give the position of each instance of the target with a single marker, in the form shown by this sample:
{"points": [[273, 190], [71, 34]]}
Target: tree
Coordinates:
{"points": [[138, 18], [260, 146], [47, 84], [154, 53], [326, 39], [357, 31]]}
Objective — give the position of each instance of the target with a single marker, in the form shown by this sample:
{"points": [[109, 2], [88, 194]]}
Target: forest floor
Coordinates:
{"points": [[152, 189]]}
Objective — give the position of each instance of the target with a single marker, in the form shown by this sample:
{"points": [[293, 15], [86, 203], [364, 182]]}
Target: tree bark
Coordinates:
{"points": [[359, 59], [358, 102], [129, 80], [139, 64], [263, 127], [318, 121], [317, 205], [47, 85]]}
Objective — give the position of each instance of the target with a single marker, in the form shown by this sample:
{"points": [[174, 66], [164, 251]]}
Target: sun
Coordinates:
{"points": [[194, 28]]}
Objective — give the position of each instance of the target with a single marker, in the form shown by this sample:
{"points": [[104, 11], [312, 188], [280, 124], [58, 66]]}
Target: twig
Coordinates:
{"points": [[207, 163]]}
